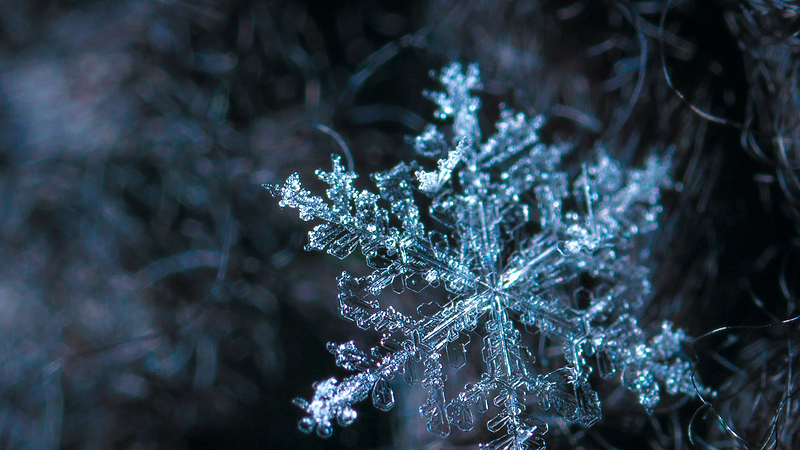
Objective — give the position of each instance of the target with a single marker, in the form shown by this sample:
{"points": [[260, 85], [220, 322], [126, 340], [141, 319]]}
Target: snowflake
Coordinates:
{"points": [[518, 242]]}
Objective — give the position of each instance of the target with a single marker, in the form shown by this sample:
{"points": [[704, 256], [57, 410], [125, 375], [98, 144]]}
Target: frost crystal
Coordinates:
{"points": [[566, 269]]}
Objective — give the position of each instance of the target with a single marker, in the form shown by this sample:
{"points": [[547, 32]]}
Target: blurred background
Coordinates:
{"points": [[153, 295]]}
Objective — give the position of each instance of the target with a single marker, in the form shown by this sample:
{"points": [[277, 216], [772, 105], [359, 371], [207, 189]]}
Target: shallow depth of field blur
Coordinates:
{"points": [[154, 295]]}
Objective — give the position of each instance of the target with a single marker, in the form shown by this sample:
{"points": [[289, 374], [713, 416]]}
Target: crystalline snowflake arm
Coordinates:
{"points": [[334, 400], [514, 134], [355, 218], [431, 182], [458, 103], [623, 348], [590, 243], [408, 255]]}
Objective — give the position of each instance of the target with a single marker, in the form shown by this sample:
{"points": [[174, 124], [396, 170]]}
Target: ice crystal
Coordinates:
{"points": [[507, 266]]}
